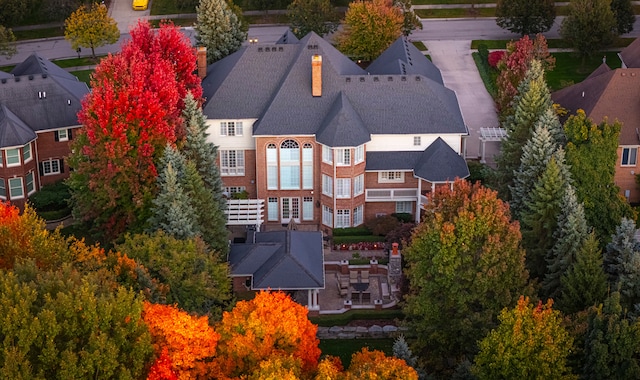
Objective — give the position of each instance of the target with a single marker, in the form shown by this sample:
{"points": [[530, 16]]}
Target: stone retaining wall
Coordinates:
{"points": [[353, 332]]}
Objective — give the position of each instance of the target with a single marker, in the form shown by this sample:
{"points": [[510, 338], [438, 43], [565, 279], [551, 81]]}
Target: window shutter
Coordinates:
{"points": [[55, 136], [69, 133], [41, 169], [61, 165]]}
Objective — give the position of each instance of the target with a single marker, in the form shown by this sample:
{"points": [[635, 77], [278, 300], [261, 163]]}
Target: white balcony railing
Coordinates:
{"points": [[245, 212], [391, 195]]}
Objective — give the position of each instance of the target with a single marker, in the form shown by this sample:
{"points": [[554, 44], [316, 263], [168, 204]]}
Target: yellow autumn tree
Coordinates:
{"points": [[370, 27], [91, 27], [375, 365]]}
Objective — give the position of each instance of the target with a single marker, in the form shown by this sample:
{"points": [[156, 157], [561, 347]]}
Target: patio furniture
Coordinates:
{"points": [[353, 277], [343, 285], [364, 276], [360, 287], [385, 290]]}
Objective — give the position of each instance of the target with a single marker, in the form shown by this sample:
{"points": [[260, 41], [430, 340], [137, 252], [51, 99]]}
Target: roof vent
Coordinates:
{"points": [[267, 49], [403, 78], [583, 94], [633, 74], [376, 79], [418, 79], [623, 74], [348, 80], [17, 79], [259, 49], [44, 75], [68, 102], [280, 48], [3, 80], [390, 79], [30, 77], [361, 79]]}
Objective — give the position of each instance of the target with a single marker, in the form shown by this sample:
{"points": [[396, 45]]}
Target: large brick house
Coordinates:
{"points": [[613, 94], [39, 102], [321, 141]]}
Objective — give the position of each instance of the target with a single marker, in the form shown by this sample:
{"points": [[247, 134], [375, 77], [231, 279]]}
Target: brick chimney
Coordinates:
{"points": [[202, 61], [316, 75]]}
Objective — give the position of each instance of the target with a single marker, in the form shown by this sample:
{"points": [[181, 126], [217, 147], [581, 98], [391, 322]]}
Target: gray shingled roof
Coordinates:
{"points": [[13, 131], [281, 260], [343, 126], [5, 75], [42, 95], [288, 38], [437, 163], [403, 58]]}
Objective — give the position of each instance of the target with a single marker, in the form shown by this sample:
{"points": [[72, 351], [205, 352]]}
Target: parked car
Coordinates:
{"points": [[140, 5]]}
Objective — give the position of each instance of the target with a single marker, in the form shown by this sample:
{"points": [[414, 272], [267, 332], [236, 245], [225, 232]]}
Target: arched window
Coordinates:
{"points": [[289, 165], [272, 167]]}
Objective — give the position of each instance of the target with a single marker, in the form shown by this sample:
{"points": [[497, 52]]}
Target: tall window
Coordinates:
{"points": [[307, 166], [289, 165], [30, 186], [327, 185], [358, 154], [343, 157], [3, 189], [358, 216], [343, 218], [272, 167], [629, 156], [272, 209], [327, 216], [232, 162], [390, 177], [404, 207], [26, 152], [231, 128], [307, 208], [343, 188], [358, 185], [13, 157], [327, 154], [15, 188]]}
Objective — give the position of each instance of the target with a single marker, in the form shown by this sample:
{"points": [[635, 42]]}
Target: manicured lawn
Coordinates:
{"points": [[73, 62], [344, 348], [570, 70], [455, 13], [551, 43], [430, 2], [343, 319], [176, 21], [38, 33], [420, 45], [83, 75]]}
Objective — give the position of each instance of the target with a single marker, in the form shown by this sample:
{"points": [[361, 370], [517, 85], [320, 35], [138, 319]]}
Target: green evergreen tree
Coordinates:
{"points": [[612, 344], [620, 250], [629, 284], [592, 156], [570, 236], [540, 218], [402, 351], [624, 14], [218, 29], [525, 17], [584, 284], [531, 102], [589, 27], [318, 16]]}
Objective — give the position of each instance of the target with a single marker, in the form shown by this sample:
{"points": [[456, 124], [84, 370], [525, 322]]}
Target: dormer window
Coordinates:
{"points": [[231, 128]]}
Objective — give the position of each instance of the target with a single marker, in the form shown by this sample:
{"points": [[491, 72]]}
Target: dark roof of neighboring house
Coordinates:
{"points": [[280, 259], [5, 75], [614, 94], [437, 163], [603, 68], [13, 131], [272, 83], [288, 38], [403, 58], [42, 95], [630, 55]]}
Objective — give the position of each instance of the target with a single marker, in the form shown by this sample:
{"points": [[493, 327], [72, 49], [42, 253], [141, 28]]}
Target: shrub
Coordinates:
{"points": [[486, 73], [51, 197], [404, 217], [483, 52], [401, 234], [382, 224], [495, 57], [351, 231]]}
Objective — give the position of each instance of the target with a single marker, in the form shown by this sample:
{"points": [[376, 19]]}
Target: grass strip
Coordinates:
{"points": [[328, 320], [345, 348]]}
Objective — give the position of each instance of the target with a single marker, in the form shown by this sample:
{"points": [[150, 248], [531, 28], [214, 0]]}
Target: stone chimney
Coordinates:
{"points": [[316, 75], [202, 61]]}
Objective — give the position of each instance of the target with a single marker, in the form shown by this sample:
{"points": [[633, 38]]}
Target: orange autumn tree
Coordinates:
{"points": [[254, 331], [190, 342], [375, 365]]}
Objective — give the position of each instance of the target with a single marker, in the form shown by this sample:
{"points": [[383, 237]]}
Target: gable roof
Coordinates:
{"points": [[630, 56], [13, 131], [403, 58], [343, 126], [614, 94], [280, 260], [437, 163], [288, 38], [272, 83]]}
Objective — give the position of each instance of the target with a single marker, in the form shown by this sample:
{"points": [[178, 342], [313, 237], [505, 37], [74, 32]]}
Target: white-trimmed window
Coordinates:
{"points": [[358, 185], [343, 187], [61, 135], [629, 156], [16, 191], [404, 207], [231, 128], [13, 157], [230, 190], [289, 165], [272, 167], [307, 208], [29, 182], [358, 155], [50, 167], [343, 157], [343, 218], [358, 215], [327, 216], [327, 185], [3, 189], [327, 154], [26, 153], [397, 177], [307, 166], [417, 141], [232, 162], [272, 209]]}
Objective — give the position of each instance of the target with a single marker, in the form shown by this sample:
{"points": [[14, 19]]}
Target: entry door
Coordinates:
{"points": [[290, 210]]}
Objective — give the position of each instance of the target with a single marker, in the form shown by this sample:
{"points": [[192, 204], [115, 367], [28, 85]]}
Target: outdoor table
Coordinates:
{"points": [[360, 287]]}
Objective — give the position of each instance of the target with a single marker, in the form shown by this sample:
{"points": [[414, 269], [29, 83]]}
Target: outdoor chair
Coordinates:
{"points": [[353, 277], [364, 276]]}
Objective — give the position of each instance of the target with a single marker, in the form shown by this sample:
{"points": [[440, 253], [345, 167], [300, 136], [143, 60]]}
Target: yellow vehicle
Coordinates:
{"points": [[140, 5]]}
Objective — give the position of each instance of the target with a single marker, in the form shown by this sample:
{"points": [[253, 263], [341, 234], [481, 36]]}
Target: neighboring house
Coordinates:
{"points": [[39, 103], [286, 260], [320, 141], [630, 56], [614, 94]]}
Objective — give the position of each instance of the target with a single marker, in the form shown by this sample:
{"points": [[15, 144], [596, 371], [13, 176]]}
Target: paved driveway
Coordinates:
{"points": [[460, 74], [125, 16]]}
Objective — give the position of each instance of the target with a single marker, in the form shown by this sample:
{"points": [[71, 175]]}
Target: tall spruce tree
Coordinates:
{"points": [[218, 29], [570, 236], [620, 250], [531, 102]]}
